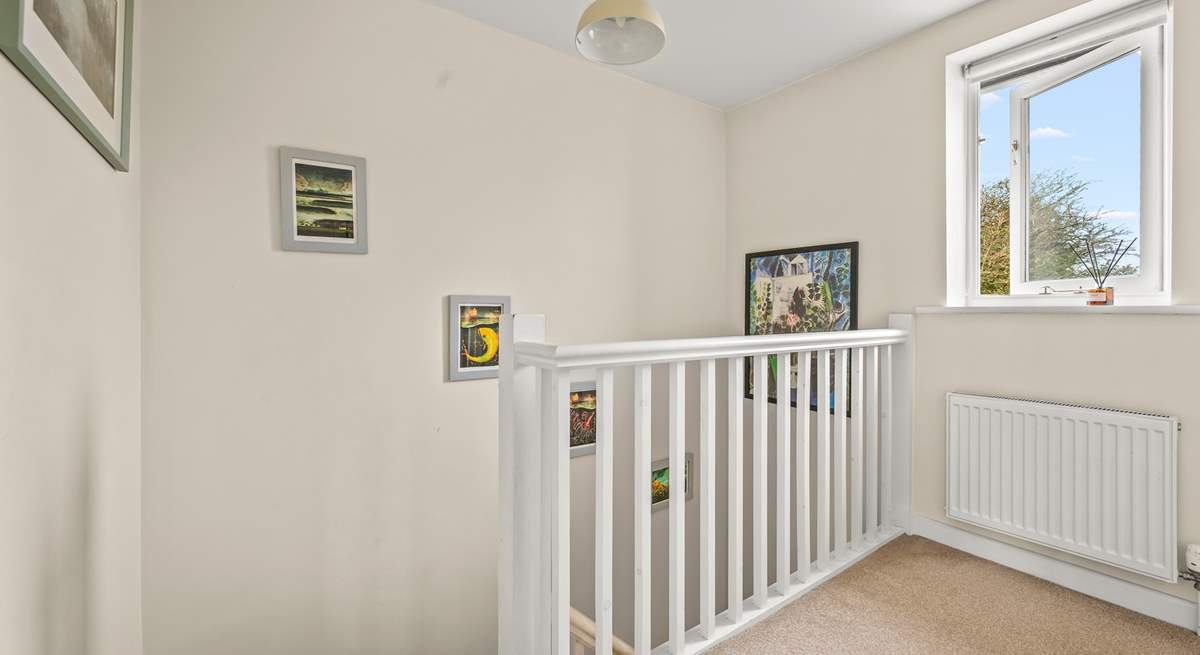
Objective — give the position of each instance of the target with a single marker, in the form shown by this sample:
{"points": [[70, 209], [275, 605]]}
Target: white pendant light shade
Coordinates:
{"points": [[620, 32]]}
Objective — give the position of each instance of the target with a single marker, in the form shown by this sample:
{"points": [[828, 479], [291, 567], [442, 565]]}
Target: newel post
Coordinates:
{"points": [[902, 370], [520, 492]]}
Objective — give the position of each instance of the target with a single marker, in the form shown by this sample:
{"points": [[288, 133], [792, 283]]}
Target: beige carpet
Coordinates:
{"points": [[917, 596]]}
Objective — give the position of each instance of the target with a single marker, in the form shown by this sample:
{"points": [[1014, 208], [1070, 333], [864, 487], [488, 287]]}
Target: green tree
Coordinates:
{"points": [[1059, 226]]}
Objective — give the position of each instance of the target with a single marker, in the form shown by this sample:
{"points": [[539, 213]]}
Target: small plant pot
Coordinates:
{"points": [[1100, 297]]}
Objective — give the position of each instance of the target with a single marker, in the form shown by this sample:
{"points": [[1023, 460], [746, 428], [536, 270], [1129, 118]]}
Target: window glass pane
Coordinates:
{"points": [[994, 152], [1085, 171]]}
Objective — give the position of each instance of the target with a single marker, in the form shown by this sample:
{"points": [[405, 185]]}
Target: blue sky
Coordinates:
{"points": [[1089, 125]]}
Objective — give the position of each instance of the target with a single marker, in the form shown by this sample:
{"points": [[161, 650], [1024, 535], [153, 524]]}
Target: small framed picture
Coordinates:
{"points": [[322, 203], [474, 339], [583, 418], [660, 481]]}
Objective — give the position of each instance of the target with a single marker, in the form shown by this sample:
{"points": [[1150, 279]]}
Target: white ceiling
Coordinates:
{"points": [[727, 52]]}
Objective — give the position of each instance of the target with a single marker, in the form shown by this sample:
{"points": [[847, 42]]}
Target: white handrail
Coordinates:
{"points": [[861, 383], [629, 353]]}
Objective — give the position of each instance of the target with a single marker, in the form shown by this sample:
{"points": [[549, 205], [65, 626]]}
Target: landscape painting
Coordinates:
{"points": [[808, 289], [475, 336], [324, 201], [583, 418]]}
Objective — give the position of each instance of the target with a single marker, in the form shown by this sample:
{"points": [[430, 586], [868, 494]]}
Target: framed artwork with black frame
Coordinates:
{"points": [[804, 289]]}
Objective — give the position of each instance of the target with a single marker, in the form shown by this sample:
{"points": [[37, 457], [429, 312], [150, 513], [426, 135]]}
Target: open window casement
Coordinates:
{"points": [[1085, 95], [1147, 278]]}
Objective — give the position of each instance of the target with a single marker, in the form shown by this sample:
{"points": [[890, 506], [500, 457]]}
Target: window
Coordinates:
{"points": [[1057, 144]]}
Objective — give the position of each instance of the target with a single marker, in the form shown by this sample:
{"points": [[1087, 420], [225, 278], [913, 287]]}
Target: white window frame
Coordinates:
{"points": [[1107, 30]]}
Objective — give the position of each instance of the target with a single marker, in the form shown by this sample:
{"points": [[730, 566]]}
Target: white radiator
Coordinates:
{"points": [[1097, 483]]}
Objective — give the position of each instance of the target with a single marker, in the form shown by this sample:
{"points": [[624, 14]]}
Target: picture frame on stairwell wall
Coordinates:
{"points": [[583, 418], [473, 339], [802, 289], [660, 482]]}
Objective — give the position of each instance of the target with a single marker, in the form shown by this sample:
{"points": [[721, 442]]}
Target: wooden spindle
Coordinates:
{"points": [[677, 547], [556, 509], [604, 511], [708, 497], [856, 450], [735, 378], [885, 447], [823, 460], [803, 554], [760, 480], [783, 476], [642, 561], [839, 454], [871, 457]]}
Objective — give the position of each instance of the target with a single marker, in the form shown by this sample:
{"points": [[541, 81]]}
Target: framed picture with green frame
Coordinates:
{"points": [[79, 54]]}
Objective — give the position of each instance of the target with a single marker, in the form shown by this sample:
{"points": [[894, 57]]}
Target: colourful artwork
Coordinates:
{"points": [[583, 417], [324, 201], [479, 335], [660, 481], [660, 485], [812, 289], [475, 336]]}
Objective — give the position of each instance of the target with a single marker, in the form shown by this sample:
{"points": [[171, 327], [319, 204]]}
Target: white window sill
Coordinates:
{"points": [[1179, 310]]}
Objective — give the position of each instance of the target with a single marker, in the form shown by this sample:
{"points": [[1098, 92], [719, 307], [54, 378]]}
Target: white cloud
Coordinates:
{"points": [[1048, 133], [1083, 159], [1115, 215], [989, 99]]}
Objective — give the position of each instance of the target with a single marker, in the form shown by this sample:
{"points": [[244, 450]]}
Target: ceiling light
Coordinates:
{"points": [[620, 32]]}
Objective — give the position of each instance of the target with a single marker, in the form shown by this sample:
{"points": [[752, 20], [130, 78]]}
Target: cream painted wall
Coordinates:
{"points": [[857, 153], [70, 351], [312, 485]]}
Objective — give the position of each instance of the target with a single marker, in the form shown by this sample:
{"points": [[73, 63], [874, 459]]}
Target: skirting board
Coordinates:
{"points": [[1142, 600]]}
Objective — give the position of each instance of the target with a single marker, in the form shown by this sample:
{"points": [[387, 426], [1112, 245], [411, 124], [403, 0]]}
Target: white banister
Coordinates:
{"points": [[823, 460], [759, 455], [885, 446], [677, 548], [629, 353], [839, 455], [803, 552], [783, 477], [860, 475], [641, 509], [520, 494], [735, 373], [708, 497], [872, 455], [856, 449], [604, 511], [556, 509]]}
